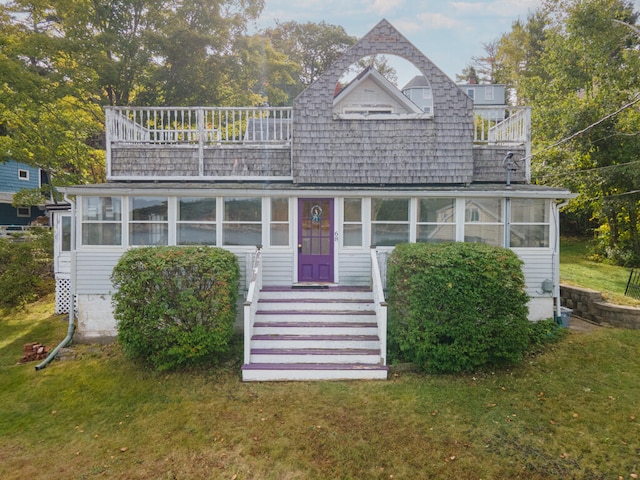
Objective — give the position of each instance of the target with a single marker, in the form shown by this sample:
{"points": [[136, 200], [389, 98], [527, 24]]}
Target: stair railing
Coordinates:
{"points": [[380, 304], [251, 302]]}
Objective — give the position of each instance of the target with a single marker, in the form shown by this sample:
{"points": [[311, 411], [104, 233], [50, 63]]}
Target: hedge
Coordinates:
{"points": [[457, 306], [175, 306]]}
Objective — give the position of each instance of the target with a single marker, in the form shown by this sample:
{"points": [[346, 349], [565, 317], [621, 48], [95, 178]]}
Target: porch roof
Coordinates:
{"points": [[287, 188]]}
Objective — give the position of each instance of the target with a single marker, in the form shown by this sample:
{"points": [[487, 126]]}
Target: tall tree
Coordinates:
{"points": [[577, 63], [312, 46]]}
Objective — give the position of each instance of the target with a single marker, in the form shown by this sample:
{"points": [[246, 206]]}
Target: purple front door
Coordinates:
{"points": [[315, 240]]}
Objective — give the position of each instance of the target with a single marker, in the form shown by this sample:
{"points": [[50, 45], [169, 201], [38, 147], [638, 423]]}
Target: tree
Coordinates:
{"points": [[482, 69], [578, 63], [312, 46]]}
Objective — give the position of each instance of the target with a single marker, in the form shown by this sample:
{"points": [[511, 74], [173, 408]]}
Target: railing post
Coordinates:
{"points": [[201, 133]]}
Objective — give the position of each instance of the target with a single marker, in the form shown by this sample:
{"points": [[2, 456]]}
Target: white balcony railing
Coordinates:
{"points": [[199, 125], [502, 125]]}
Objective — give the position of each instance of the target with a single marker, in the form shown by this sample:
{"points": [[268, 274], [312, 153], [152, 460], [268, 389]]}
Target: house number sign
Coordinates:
{"points": [[316, 213]]}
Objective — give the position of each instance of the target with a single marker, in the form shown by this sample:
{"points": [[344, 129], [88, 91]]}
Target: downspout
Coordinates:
{"points": [[556, 255], [72, 293]]}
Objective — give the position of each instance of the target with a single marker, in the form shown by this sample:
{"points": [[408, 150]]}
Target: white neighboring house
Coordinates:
{"points": [[312, 199]]}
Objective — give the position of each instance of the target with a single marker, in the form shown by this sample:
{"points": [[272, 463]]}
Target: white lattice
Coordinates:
{"points": [[63, 292]]}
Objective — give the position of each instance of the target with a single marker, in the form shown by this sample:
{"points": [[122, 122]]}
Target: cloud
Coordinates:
{"points": [[500, 8], [382, 7], [437, 21]]}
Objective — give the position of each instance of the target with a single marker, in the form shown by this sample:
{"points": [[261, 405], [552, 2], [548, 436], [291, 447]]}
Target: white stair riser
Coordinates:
{"points": [[319, 294], [315, 343], [316, 306], [307, 317], [302, 375], [315, 330], [315, 358]]}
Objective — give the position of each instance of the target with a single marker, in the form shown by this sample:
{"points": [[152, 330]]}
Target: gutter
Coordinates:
{"points": [[72, 294]]}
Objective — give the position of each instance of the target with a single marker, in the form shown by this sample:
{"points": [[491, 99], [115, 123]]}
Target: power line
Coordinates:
{"points": [[586, 170], [573, 135]]}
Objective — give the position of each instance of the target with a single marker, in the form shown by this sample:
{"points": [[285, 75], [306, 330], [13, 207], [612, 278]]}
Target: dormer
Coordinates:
{"points": [[370, 96]]}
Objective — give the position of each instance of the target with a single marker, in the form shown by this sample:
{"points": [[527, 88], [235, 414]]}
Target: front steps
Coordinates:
{"points": [[315, 334]]}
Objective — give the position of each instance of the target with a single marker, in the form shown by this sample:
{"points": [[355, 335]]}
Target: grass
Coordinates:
{"points": [[577, 269], [572, 410]]}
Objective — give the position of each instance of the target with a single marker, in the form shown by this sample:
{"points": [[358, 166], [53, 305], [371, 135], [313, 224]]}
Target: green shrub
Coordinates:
{"points": [[26, 268], [175, 306], [545, 331], [457, 306]]}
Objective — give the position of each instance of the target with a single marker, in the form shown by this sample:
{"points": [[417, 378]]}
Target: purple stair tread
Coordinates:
{"points": [[315, 337], [316, 312], [316, 324], [313, 366], [314, 351]]}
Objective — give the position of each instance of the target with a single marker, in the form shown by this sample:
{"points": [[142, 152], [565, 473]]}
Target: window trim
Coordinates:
{"points": [[23, 174], [22, 214]]}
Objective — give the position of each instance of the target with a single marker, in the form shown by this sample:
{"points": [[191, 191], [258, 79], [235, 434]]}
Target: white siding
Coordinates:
{"points": [[93, 271], [277, 268], [355, 268], [538, 267]]}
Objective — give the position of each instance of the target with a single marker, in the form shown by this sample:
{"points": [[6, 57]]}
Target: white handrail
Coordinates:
{"points": [[380, 304], [251, 303], [196, 125], [496, 124]]}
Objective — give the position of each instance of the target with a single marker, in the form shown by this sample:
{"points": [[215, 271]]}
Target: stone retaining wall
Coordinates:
{"points": [[589, 304]]}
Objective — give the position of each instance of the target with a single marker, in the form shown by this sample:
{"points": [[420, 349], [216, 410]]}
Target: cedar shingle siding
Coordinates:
{"points": [[434, 151]]}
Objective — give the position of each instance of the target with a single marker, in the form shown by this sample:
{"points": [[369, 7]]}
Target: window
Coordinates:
{"points": [[529, 223], [101, 221], [23, 212], [148, 221], [436, 220], [242, 223], [484, 221], [352, 222], [196, 221], [488, 93], [389, 221], [23, 174], [65, 223], [279, 228], [471, 92]]}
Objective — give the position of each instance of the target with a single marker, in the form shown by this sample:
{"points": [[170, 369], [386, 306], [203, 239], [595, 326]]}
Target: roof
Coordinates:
{"points": [[201, 188], [419, 81]]}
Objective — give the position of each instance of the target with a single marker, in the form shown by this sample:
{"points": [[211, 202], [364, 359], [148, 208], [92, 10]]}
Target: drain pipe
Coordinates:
{"points": [[72, 291], [556, 256]]}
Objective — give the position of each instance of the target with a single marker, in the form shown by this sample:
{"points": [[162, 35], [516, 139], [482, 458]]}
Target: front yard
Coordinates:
{"points": [[571, 410]]}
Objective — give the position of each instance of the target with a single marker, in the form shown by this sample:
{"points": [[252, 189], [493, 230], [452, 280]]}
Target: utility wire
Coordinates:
{"points": [[573, 135], [586, 170]]}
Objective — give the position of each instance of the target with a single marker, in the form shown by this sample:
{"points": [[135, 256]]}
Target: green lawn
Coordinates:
{"points": [[577, 269], [571, 411]]}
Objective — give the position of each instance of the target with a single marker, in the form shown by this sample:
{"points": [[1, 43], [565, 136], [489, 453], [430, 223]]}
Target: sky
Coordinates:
{"points": [[448, 32]]}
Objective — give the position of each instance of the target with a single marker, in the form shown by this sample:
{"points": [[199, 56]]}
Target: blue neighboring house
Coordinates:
{"points": [[15, 176]]}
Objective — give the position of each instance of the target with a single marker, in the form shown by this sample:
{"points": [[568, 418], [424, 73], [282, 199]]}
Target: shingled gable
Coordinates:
{"points": [[330, 151]]}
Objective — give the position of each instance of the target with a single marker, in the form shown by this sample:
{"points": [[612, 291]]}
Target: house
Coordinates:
{"points": [[15, 176], [312, 199]]}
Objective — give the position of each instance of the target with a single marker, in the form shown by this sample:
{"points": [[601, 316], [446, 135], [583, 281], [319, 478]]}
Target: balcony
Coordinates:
{"points": [[255, 144]]}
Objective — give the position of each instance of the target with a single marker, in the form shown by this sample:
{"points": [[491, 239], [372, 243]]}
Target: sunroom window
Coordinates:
{"points": [[483, 222], [389, 221], [436, 220], [529, 223], [242, 223], [196, 221], [148, 221], [101, 221], [279, 228], [352, 222]]}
